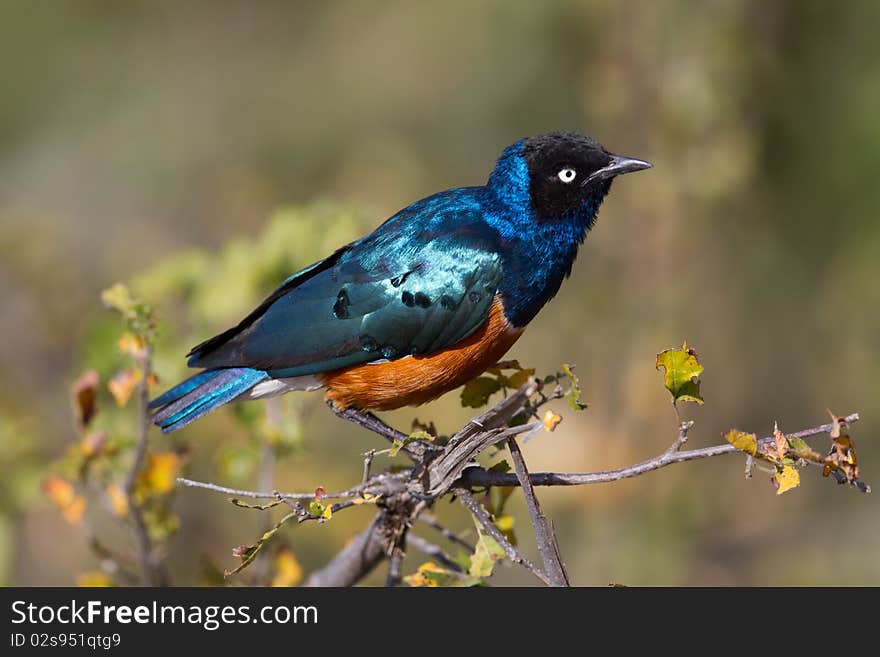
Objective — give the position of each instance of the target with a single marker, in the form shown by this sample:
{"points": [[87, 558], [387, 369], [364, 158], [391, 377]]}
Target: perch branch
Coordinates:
{"points": [[477, 476], [483, 517], [546, 538]]}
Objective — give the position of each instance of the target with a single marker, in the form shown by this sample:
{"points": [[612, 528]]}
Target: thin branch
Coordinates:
{"points": [[483, 517], [547, 544], [477, 476], [683, 429], [433, 551], [451, 536], [376, 482], [414, 449]]}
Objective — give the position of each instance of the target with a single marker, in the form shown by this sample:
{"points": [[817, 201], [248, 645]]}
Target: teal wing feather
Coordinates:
{"points": [[398, 292]]}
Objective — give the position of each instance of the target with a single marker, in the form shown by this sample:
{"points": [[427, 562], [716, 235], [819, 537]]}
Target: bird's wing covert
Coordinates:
{"points": [[382, 298]]}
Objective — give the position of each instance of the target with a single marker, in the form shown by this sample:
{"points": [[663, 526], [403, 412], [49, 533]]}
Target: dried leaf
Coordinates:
{"points": [[779, 448], [745, 442], [787, 479], [288, 571], [683, 370], [132, 345], [476, 393], [65, 497], [123, 384], [551, 420], [85, 395]]}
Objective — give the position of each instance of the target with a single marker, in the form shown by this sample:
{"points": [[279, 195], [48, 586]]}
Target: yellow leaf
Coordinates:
{"points": [[73, 512], [123, 384], [419, 579], [683, 370], [118, 500], [132, 345], [288, 571], [745, 442], [551, 420], [94, 578], [328, 512], [64, 495], [787, 479], [159, 474]]}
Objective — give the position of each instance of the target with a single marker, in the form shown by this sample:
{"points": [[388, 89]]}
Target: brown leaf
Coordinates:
{"points": [[780, 445], [85, 395]]}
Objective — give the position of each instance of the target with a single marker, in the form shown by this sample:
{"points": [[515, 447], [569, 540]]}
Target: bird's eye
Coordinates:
{"points": [[567, 175]]}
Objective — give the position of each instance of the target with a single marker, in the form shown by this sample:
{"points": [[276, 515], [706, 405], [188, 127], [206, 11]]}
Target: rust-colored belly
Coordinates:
{"points": [[419, 379]]}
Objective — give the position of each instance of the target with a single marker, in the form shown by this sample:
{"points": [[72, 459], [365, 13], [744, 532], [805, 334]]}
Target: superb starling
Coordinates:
{"points": [[426, 302]]}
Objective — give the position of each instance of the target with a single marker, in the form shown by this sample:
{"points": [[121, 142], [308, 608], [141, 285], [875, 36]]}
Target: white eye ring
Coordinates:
{"points": [[567, 175]]}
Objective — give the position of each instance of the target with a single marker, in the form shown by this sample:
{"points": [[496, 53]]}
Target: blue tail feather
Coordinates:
{"points": [[201, 394]]}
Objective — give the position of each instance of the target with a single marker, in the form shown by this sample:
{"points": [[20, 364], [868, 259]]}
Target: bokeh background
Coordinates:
{"points": [[230, 143]]}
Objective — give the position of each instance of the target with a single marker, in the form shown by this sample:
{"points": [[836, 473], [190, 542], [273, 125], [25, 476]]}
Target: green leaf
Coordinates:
{"points": [[574, 393], [744, 442], [476, 393], [683, 372], [397, 445], [501, 467], [486, 553]]}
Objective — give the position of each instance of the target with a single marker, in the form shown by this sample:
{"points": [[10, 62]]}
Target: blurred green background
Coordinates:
{"points": [[152, 142]]}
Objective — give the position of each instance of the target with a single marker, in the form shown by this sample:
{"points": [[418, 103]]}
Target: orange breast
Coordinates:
{"points": [[419, 379]]}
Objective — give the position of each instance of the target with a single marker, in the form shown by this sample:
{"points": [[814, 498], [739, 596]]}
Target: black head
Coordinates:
{"points": [[568, 171]]}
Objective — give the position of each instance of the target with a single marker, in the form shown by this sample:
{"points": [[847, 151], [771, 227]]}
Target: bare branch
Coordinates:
{"points": [[376, 481], [483, 517], [433, 551], [477, 476], [546, 538]]}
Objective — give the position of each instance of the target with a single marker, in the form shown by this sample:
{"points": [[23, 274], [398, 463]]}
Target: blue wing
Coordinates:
{"points": [[421, 282]]}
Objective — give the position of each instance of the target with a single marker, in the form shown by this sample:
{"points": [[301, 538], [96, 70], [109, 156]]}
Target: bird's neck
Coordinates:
{"points": [[538, 252]]}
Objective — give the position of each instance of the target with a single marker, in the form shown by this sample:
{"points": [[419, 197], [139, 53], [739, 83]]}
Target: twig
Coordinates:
{"points": [[430, 522], [372, 423], [477, 476], [273, 495], [485, 520], [547, 544], [153, 572], [395, 561], [368, 461], [433, 551], [683, 429]]}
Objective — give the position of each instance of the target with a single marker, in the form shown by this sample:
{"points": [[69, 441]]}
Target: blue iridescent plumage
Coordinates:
{"points": [[421, 282]]}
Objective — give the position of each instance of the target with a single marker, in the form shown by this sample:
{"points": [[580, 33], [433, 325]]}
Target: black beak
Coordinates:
{"points": [[618, 165]]}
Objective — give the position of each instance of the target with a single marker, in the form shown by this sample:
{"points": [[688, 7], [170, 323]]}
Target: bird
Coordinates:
{"points": [[429, 300]]}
